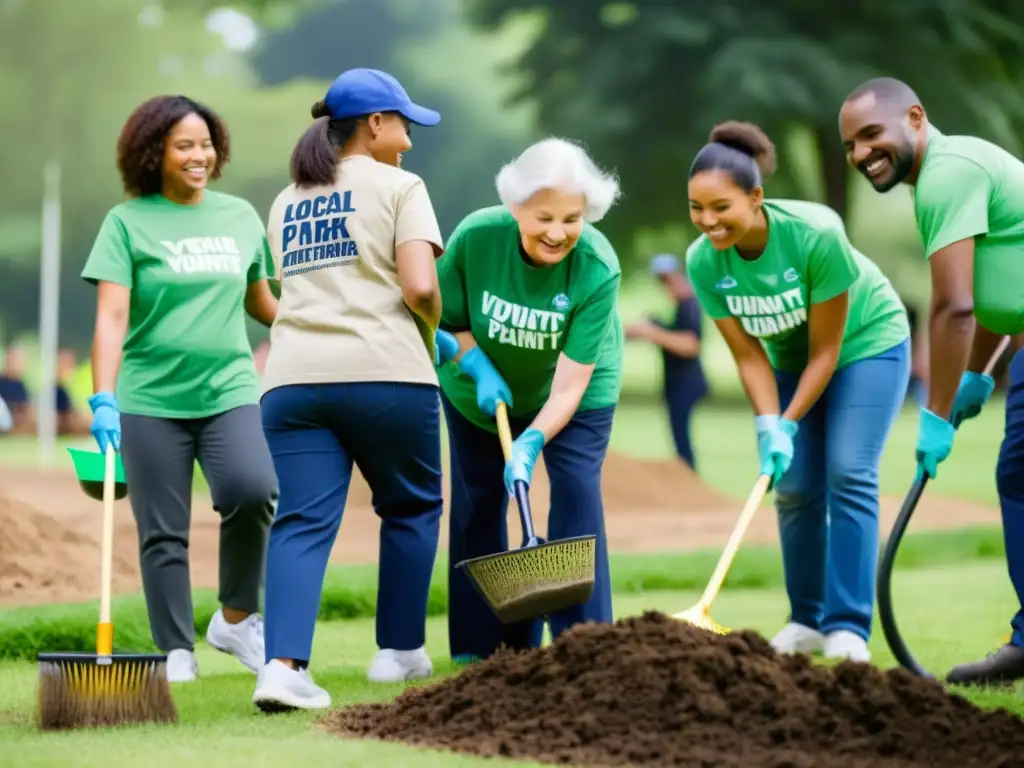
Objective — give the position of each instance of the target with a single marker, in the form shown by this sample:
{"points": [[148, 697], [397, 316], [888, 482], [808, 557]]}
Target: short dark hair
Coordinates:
{"points": [[140, 147], [314, 160], [888, 91], [742, 150]]}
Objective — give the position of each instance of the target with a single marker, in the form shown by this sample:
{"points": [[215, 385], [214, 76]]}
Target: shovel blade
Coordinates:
{"points": [[700, 616]]}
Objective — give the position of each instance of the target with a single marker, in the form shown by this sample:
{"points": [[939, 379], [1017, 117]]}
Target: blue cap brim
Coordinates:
{"points": [[421, 115]]}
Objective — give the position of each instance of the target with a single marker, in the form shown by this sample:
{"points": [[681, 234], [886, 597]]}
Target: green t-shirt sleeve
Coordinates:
{"points": [[262, 266], [831, 267], [589, 327], [951, 202], [110, 259], [700, 271], [451, 277]]}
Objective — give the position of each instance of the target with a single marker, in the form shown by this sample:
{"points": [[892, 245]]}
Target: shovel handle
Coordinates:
{"points": [[520, 488], [105, 630]]}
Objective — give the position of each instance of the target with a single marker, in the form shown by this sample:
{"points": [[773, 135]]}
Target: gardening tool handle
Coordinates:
{"points": [[104, 630], [886, 615], [735, 538], [521, 490]]}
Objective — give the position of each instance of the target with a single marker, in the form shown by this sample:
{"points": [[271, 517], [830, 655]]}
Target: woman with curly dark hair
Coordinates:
{"points": [[177, 267]]}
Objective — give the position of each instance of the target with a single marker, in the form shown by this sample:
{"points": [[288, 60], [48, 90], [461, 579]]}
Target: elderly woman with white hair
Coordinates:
{"points": [[530, 296]]}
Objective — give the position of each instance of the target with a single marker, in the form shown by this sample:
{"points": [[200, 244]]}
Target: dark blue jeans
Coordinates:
{"points": [[827, 501], [1010, 484], [477, 525], [391, 432]]}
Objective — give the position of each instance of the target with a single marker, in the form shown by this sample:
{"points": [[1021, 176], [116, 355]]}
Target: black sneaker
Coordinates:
{"points": [[1003, 666]]}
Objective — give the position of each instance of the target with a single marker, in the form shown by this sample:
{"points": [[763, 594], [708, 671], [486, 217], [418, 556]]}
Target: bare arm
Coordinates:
{"points": [[112, 303], [754, 369], [679, 343], [984, 346], [260, 303], [417, 276], [826, 326], [951, 322], [567, 387]]}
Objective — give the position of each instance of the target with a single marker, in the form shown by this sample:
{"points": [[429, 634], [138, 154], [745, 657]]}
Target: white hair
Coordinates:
{"points": [[560, 164]]}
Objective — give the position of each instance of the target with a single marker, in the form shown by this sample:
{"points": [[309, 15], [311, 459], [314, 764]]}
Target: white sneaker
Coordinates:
{"points": [[280, 688], [181, 666], [243, 640], [843, 644], [391, 666], [796, 638]]}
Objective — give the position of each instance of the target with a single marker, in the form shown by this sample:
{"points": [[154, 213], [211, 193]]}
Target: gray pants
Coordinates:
{"points": [[159, 457]]}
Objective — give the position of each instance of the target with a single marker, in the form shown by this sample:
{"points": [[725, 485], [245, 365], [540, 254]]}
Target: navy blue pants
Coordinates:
{"points": [[391, 432], [827, 501], [477, 525], [1010, 484], [680, 413]]}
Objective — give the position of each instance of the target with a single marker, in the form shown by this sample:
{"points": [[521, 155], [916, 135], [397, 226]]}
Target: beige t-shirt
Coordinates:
{"points": [[341, 317]]}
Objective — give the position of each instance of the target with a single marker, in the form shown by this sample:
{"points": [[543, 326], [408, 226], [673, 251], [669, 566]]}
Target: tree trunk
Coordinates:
{"points": [[833, 169]]}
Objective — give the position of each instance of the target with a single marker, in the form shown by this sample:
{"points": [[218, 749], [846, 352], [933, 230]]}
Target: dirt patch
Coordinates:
{"points": [[50, 549], [656, 692]]}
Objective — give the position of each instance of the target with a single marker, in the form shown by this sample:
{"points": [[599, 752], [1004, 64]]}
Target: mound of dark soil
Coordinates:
{"points": [[657, 692]]}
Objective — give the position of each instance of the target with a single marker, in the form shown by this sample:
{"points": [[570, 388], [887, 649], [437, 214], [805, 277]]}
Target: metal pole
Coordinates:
{"points": [[49, 314]]}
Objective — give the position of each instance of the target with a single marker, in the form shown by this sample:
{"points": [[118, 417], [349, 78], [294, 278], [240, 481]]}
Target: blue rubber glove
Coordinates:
{"points": [[934, 442], [775, 445], [106, 421], [973, 392], [446, 347], [525, 450], [490, 387]]}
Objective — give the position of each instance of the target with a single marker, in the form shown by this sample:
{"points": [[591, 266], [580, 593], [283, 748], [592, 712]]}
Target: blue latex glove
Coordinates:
{"points": [[490, 387], [775, 445], [525, 450], [973, 392], [446, 347], [934, 442], [106, 421]]}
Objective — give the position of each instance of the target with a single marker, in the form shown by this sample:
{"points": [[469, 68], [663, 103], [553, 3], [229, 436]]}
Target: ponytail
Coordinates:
{"points": [[314, 160]]}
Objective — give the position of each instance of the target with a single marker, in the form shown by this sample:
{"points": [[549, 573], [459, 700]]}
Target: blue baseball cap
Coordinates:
{"points": [[357, 92], [664, 264]]}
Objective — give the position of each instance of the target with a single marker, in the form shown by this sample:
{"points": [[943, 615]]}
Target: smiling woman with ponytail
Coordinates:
{"points": [[820, 339]]}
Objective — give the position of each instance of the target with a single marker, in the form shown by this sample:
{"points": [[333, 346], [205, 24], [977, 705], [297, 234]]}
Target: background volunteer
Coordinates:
{"points": [[530, 290], [350, 378], [683, 382], [177, 267], [821, 341], [969, 209]]}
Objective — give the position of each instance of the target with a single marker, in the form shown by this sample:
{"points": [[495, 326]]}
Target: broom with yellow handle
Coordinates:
{"points": [[700, 614], [81, 690]]}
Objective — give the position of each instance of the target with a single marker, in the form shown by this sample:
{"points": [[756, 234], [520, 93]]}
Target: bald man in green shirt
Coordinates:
{"points": [[969, 209]]}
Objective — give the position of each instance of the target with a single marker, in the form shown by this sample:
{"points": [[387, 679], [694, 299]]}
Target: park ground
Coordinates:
{"points": [[666, 527]]}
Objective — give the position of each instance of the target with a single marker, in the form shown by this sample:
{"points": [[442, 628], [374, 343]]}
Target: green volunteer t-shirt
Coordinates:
{"points": [[808, 260], [186, 352], [969, 187], [523, 317]]}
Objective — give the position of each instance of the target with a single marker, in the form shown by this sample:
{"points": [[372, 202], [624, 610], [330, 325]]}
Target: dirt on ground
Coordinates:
{"points": [[50, 531], [653, 691]]}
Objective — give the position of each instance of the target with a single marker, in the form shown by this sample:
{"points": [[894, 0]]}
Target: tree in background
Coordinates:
{"points": [[642, 82]]}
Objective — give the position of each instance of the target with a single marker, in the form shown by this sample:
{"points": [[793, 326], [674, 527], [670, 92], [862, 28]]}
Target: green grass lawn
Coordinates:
{"points": [[947, 614]]}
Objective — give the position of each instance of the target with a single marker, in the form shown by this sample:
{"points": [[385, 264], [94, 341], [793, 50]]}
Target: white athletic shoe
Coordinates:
{"points": [[796, 638], [181, 666], [391, 666], [279, 688], [843, 644], [243, 640]]}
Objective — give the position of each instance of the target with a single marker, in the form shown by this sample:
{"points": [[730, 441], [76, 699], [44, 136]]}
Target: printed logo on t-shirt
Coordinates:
{"points": [[763, 316], [726, 283], [315, 235], [791, 275], [560, 302], [520, 326], [204, 255]]}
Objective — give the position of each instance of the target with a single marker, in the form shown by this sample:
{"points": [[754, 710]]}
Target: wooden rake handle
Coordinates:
{"points": [[522, 491], [735, 539], [105, 628]]}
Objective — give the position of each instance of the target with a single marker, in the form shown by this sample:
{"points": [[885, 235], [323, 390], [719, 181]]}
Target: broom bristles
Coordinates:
{"points": [[78, 693]]}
